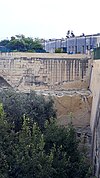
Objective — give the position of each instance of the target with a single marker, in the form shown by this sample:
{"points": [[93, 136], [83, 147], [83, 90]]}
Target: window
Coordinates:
{"points": [[75, 49]]}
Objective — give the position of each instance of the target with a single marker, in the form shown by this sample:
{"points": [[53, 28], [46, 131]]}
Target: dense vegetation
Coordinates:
{"points": [[32, 145], [22, 43], [58, 50], [33, 106]]}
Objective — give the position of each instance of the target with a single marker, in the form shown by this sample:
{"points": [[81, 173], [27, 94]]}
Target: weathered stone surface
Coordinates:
{"points": [[72, 106], [67, 74], [45, 71], [95, 116]]}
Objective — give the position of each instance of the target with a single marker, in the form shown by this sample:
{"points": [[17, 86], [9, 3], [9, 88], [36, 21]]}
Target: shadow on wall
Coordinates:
{"points": [[4, 83]]}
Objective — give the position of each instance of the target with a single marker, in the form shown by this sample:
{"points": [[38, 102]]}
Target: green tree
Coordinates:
{"points": [[37, 44], [58, 50], [4, 43], [68, 161], [30, 152], [31, 157], [5, 141], [22, 153], [22, 43], [35, 107]]}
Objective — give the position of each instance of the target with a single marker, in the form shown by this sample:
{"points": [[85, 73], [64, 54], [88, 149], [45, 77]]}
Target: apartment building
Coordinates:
{"points": [[73, 45]]}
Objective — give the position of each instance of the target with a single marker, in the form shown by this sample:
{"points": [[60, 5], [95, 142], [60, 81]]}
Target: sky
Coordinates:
{"points": [[48, 18]]}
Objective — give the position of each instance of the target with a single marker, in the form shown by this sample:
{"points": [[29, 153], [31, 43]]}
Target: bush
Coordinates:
{"points": [[32, 153], [58, 50], [34, 106]]}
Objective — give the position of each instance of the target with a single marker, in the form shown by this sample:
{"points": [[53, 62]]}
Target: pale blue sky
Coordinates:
{"points": [[48, 18]]}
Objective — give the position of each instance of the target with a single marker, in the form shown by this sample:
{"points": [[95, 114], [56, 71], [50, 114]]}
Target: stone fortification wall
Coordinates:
{"points": [[65, 77], [74, 106], [42, 55], [45, 71], [96, 142], [95, 88], [95, 116], [66, 74]]}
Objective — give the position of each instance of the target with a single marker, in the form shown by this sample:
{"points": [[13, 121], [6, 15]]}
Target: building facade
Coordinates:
{"points": [[73, 45]]}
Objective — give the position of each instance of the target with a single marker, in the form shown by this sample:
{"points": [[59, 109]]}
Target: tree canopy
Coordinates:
{"points": [[21, 43]]}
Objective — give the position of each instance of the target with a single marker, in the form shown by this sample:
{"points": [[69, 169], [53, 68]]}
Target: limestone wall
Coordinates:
{"points": [[57, 72], [95, 116], [43, 55], [95, 88], [96, 142], [52, 72], [74, 106]]}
